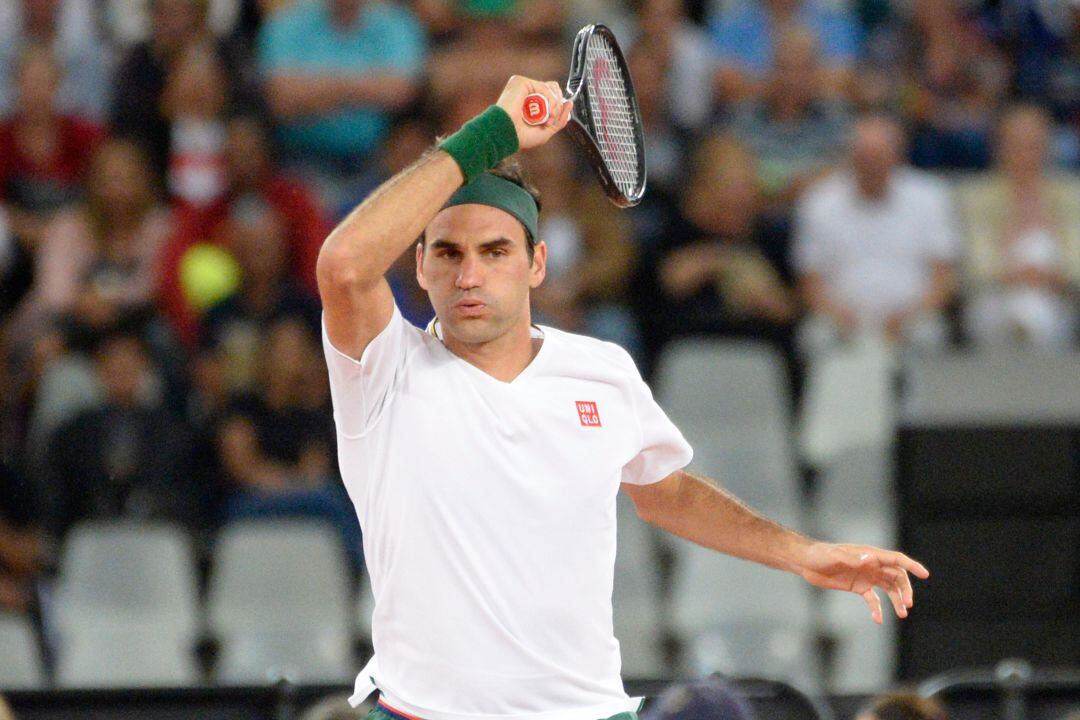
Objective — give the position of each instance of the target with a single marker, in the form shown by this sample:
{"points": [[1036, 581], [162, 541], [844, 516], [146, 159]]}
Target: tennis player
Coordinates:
{"points": [[484, 455]]}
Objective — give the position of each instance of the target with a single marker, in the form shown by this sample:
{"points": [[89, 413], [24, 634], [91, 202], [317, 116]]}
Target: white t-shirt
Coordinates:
{"points": [[488, 513], [875, 255]]}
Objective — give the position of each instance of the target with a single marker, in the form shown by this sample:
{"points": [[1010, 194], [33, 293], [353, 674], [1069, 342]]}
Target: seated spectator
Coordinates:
{"points": [[590, 255], [793, 130], [745, 42], [1022, 233], [277, 443], [43, 154], [721, 269], [98, 261], [903, 706], [194, 102], [665, 141], [67, 28], [875, 245], [251, 177], [16, 268], [125, 458], [710, 698], [137, 107], [493, 35], [255, 234], [335, 71], [684, 50], [960, 79]]}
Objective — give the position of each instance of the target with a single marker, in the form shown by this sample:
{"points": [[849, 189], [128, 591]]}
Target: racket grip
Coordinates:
{"points": [[535, 110]]}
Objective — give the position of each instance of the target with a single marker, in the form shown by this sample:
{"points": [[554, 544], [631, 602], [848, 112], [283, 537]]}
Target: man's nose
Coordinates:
{"points": [[470, 273]]}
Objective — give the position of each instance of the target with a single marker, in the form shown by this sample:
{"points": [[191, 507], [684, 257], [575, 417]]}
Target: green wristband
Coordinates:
{"points": [[482, 142]]}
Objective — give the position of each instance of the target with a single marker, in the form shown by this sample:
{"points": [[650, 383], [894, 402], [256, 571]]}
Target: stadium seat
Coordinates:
{"points": [[126, 606], [732, 402], [21, 659], [864, 653], [279, 602], [738, 618], [849, 402], [639, 621], [134, 653]]}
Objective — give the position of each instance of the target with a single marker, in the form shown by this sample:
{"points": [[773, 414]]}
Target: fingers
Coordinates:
{"points": [[874, 602], [898, 559]]}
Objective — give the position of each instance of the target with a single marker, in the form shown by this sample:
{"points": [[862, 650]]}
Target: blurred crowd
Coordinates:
{"points": [[818, 169]]}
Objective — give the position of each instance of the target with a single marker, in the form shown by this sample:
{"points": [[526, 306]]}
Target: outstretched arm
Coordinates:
{"points": [[356, 298], [692, 507]]}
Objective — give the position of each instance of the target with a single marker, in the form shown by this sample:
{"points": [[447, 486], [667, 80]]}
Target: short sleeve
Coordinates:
{"points": [[662, 448], [360, 389]]}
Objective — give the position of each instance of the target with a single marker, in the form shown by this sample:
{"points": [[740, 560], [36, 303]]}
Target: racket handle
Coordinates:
{"points": [[535, 111]]}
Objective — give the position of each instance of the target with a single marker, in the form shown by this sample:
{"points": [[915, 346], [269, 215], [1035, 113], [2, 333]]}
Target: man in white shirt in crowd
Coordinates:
{"points": [[484, 456], [874, 246]]}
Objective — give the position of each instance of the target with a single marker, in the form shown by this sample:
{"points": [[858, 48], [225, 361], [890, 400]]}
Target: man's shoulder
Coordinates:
{"points": [[920, 185], [590, 353]]}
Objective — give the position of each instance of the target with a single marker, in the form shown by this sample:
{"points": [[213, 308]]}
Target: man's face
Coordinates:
{"points": [[476, 270]]}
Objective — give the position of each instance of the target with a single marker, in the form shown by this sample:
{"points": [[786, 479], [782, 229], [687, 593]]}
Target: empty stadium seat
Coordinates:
{"points": [[126, 606], [639, 621], [732, 402], [20, 658], [279, 602], [739, 618], [848, 404]]}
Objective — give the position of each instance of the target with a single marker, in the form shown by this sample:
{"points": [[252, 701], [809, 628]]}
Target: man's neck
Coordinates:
{"points": [[503, 358]]}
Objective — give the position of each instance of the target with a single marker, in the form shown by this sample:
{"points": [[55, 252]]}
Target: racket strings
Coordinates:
{"points": [[613, 114]]}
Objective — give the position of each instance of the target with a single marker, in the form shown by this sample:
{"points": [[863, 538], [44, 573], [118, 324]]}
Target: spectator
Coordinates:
{"points": [[255, 234], [684, 50], [335, 71], [960, 79], [67, 29], [98, 261], [471, 69], [664, 140], [709, 698], [903, 706], [43, 154], [793, 130], [194, 103], [5, 710], [720, 269], [251, 177], [137, 107], [277, 443], [1022, 231], [124, 458], [746, 40], [875, 244], [590, 255]]}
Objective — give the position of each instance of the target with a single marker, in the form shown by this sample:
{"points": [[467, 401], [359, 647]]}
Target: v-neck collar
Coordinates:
{"points": [[535, 332]]}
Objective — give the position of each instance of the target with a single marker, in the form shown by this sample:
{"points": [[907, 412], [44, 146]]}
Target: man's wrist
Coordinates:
{"points": [[482, 142]]}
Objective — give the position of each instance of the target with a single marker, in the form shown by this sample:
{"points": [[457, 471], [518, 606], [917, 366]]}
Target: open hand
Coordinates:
{"points": [[862, 568]]}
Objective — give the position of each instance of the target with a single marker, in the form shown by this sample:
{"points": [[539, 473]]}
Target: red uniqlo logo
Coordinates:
{"points": [[590, 416]]}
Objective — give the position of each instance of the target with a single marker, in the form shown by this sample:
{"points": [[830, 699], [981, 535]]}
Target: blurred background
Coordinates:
{"points": [[854, 283]]}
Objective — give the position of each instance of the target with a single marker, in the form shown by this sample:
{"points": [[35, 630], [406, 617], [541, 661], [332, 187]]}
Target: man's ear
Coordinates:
{"points": [[420, 265], [539, 265]]}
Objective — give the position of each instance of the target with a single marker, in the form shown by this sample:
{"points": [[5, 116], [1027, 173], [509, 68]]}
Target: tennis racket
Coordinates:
{"points": [[605, 119]]}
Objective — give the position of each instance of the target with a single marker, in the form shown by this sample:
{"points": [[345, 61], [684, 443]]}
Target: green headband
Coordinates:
{"points": [[494, 191]]}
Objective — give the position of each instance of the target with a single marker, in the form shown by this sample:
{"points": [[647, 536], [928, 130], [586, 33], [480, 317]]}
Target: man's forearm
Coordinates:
{"points": [[366, 243], [693, 508]]}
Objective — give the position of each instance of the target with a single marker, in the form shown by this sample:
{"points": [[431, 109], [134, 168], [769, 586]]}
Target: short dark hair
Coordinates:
{"points": [[905, 706], [511, 169]]}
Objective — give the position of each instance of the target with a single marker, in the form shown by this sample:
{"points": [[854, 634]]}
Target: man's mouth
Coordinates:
{"points": [[469, 306]]}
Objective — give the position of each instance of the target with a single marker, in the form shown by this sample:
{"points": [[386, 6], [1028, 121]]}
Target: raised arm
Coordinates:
{"points": [[357, 302], [692, 507]]}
